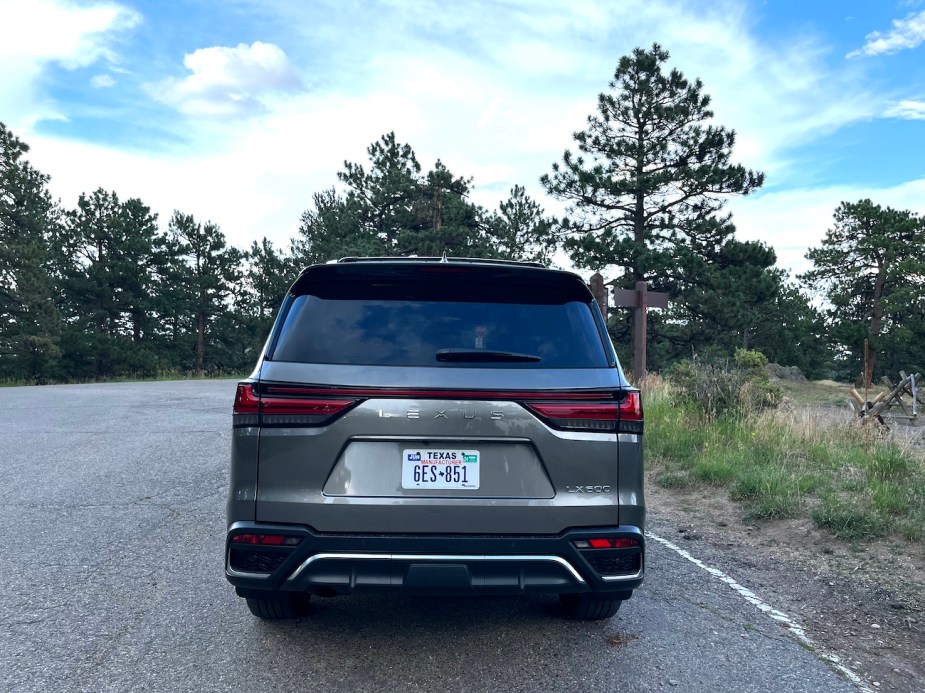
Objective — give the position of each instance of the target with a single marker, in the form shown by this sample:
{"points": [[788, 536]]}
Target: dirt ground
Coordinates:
{"points": [[863, 603]]}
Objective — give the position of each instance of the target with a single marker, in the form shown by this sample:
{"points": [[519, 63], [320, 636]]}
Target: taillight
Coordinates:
{"points": [[245, 401], [293, 411], [624, 415], [613, 558], [606, 543], [254, 409], [260, 553], [266, 539], [631, 407], [246, 406]]}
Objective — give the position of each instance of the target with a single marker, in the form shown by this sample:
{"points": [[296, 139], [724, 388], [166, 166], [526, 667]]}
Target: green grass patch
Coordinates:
{"points": [[715, 470], [782, 465], [848, 518]]}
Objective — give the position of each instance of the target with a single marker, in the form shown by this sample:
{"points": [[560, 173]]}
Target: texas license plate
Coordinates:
{"points": [[439, 469]]}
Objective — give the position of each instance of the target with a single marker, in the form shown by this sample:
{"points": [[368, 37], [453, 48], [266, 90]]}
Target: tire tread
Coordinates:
{"points": [[277, 606], [588, 607]]}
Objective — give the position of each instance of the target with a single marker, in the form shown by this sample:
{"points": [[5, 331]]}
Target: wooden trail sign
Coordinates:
{"points": [[640, 299]]}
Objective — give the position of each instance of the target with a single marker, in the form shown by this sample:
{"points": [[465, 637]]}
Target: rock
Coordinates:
{"points": [[775, 370]]}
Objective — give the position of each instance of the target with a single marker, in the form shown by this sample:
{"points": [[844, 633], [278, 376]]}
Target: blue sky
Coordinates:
{"points": [[237, 111]]}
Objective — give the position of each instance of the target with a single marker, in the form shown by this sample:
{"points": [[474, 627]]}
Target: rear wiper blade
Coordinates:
{"points": [[484, 356]]}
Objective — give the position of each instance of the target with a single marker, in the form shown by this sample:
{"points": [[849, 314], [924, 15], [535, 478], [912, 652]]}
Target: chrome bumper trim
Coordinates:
{"points": [[431, 557]]}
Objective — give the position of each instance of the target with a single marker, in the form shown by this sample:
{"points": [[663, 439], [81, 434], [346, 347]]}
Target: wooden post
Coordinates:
{"points": [[639, 332], [641, 299], [599, 291]]}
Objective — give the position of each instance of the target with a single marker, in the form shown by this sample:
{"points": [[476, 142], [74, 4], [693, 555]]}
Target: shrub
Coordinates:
{"points": [[718, 387]]}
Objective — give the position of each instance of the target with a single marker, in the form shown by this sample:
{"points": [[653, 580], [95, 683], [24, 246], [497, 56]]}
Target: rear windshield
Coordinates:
{"points": [[384, 332]]}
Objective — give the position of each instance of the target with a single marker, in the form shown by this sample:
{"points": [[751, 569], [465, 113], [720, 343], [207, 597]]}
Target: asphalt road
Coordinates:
{"points": [[112, 520]]}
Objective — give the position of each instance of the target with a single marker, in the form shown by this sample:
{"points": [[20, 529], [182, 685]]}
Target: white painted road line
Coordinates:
{"points": [[795, 629]]}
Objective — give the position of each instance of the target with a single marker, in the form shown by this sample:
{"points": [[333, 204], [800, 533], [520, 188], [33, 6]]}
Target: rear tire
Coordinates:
{"points": [[588, 607], [277, 606]]}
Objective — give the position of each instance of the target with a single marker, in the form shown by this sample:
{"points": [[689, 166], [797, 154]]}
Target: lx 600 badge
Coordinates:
{"points": [[588, 489]]}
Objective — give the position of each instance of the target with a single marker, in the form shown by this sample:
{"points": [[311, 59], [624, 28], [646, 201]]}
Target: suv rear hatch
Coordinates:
{"points": [[413, 397]]}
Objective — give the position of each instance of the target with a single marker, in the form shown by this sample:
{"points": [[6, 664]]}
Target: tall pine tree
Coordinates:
{"points": [[646, 190]]}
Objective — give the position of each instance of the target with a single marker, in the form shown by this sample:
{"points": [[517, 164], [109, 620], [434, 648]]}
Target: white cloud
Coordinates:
{"points": [[229, 81], [906, 33], [907, 110], [792, 221], [102, 81], [43, 32], [539, 65], [777, 95], [472, 100]]}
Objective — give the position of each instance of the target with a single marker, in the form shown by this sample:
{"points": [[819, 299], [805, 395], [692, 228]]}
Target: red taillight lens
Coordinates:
{"points": [[253, 409], [296, 411], [624, 415], [605, 411], [245, 401], [265, 539], [607, 543], [310, 407], [631, 407]]}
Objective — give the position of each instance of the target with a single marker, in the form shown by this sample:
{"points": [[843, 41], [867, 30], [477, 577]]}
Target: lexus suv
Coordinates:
{"points": [[434, 426]]}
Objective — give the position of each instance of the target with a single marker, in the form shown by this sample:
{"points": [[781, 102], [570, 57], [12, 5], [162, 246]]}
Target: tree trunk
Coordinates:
{"points": [[638, 327], [876, 320], [201, 342], [137, 319]]}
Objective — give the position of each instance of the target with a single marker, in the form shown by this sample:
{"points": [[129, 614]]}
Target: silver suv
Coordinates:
{"points": [[420, 425]]}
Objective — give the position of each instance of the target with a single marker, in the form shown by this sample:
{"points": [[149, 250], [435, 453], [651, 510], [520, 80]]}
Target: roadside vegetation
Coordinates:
{"points": [[720, 424]]}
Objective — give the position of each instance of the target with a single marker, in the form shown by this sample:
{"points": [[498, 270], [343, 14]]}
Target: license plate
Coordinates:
{"points": [[439, 469]]}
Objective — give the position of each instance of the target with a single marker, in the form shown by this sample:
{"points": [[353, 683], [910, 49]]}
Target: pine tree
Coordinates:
{"points": [[519, 230], [30, 324], [108, 272], [210, 272], [333, 229], [90, 245], [383, 198], [871, 268], [646, 190], [391, 208]]}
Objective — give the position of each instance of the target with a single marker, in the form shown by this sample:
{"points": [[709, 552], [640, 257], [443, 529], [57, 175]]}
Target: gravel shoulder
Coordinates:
{"points": [[863, 603]]}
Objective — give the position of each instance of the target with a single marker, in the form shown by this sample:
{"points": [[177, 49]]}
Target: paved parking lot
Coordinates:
{"points": [[113, 517]]}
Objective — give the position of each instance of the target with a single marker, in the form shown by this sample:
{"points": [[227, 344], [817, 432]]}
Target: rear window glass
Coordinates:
{"points": [[412, 332]]}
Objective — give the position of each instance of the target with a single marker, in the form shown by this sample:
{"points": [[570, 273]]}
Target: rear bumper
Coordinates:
{"points": [[330, 564]]}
